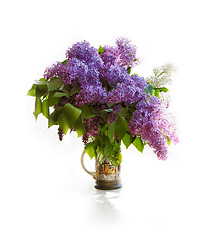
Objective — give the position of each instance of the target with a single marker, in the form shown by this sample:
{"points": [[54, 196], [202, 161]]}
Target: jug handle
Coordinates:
{"points": [[93, 174]]}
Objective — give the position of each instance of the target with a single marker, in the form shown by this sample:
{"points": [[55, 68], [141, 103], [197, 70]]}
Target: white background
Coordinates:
{"points": [[44, 193]]}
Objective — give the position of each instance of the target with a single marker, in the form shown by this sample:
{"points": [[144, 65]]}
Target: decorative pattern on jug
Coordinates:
{"points": [[106, 171]]}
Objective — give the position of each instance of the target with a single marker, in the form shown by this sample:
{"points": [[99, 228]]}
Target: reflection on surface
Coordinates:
{"points": [[104, 206], [105, 196]]}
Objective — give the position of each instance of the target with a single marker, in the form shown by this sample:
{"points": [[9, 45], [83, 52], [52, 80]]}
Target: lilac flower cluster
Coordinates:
{"points": [[56, 70], [95, 72], [104, 79], [84, 52], [124, 54], [129, 91], [92, 126], [150, 121], [127, 52], [91, 94], [143, 124]]}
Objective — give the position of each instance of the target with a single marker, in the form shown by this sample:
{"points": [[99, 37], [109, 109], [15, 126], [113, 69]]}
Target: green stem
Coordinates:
{"points": [[160, 74]]}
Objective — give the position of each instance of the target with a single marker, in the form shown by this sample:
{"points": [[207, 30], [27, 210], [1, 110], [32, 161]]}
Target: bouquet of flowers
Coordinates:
{"points": [[94, 93]]}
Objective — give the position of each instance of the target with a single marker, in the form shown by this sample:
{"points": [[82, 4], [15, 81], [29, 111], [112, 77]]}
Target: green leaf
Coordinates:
{"points": [[72, 113], [45, 108], [104, 130], [123, 111], [168, 141], [32, 91], [69, 91], [107, 85], [100, 155], [63, 123], [37, 107], [52, 100], [74, 90], [127, 140], [109, 104], [66, 89], [111, 131], [138, 143], [79, 127], [42, 80], [156, 93], [90, 149], [54, 84], [59, 94], [108, 146], [107, 110], [64, 62], [129, 70], [115, 162], [119, 159], [87, 112], [52, 120], [150, 89], [162, 89], [101, 49], [96, 109], [104, 116], [134, 74], [121, 127], [41, 90]]}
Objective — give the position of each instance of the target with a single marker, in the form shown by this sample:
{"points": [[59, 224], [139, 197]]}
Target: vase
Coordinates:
{"points": [[106, 176]]}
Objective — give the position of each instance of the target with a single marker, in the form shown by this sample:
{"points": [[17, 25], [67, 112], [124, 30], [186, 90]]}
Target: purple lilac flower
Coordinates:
{"points": [[127, 52], [81, 74], [56, 70], [91, 94], [63, 100], [60, 134], [139, 81], [110, 55], [92, 128], [114, 74], [93, 75], [77, 72], [84, 52], [74, 72], [166, 123], [149, 121], [127, 92]]}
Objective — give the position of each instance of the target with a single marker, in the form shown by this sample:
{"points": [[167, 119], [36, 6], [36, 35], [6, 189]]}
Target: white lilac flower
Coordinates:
{"points": [[162, 76]]}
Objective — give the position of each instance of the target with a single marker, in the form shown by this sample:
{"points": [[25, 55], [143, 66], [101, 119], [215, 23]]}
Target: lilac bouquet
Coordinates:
{"points": [[94, 93]]}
